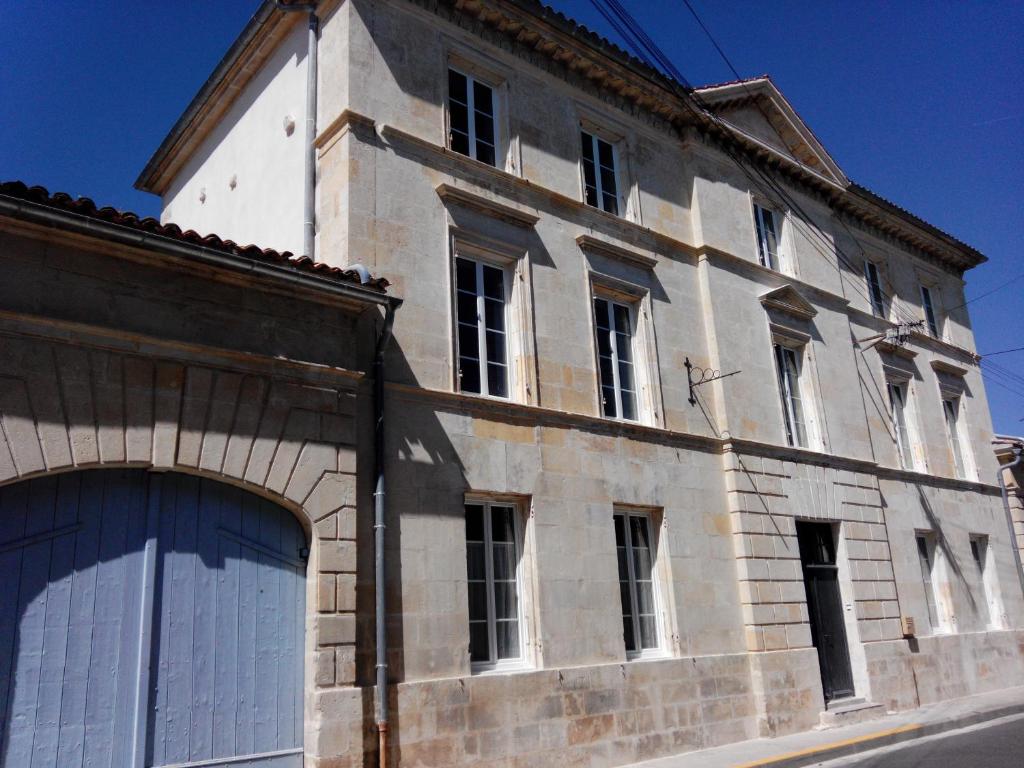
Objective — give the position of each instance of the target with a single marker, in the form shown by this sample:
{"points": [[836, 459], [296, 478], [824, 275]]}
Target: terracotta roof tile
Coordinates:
{"points": [[83, 206]]}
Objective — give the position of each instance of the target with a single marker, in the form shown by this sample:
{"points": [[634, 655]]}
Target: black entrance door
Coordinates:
{"points": [[825, 607]]}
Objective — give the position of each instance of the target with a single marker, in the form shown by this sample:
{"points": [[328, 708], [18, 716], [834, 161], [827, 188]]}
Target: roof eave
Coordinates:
{"points": [[146, 182]]}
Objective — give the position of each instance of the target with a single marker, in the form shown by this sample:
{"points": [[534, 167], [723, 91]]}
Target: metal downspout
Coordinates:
{"points": [[309, 161], [1017, 457], [378, 535]]}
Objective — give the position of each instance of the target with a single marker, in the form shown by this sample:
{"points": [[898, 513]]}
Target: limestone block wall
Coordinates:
{"points": [[579, 716]]}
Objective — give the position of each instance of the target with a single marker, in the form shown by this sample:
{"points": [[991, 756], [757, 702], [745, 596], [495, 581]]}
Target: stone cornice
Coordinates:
{"points": [[538, 416]]}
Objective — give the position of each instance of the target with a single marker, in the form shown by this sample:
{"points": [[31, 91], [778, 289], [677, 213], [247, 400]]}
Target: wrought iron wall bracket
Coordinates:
{"points": [[695, 376]]}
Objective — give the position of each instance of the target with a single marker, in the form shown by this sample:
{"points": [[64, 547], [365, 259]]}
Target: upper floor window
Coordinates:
{"points": [[481, 338], [472, 118], [635, 548], [931, 312], [898, 410], [768, 225], [951, 411], [614, 324], [874, 280], [788, 365], [600, 173], [493, 554]]}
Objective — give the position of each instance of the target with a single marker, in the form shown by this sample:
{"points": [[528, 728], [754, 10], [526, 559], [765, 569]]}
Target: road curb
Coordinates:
{"points": [[867, 742]]}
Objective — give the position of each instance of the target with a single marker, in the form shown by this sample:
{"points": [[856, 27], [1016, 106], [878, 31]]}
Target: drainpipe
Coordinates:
{"points": [[309, 164], [1018, 448], [378, 535], [378, 517]]}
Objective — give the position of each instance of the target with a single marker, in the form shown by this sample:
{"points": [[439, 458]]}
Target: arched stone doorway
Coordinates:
{"points": [[149, 619]]}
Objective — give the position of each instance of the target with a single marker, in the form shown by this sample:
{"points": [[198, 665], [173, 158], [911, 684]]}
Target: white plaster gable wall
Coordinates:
{"points": [[250, 147]]}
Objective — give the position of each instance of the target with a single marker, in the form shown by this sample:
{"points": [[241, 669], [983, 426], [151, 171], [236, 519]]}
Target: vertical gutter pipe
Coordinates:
{"points": [[379, 528], [309, 161], [1017, 457]]}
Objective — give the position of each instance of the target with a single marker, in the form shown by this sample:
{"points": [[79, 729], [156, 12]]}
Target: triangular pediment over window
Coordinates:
{"points": [[787, 299], [758, 111]]}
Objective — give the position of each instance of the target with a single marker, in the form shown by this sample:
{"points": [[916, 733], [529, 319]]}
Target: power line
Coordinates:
{"points": [[1003, 351], [989, 293], [897, 309], [801, 221]]}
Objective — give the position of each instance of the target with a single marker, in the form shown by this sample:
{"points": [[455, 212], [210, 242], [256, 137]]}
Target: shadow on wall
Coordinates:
{"points": [[225, 621], [425, 485]]}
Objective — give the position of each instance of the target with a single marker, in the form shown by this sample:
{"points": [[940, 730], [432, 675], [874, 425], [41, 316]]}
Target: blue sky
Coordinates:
{"points": [[922, 102]]}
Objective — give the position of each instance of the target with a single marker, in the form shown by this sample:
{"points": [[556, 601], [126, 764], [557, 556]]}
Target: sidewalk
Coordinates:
{"points": [[811, 747]]}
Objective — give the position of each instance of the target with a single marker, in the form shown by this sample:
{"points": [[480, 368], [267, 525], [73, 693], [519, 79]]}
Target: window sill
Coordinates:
{"points": [[654, 654], [501, 668]]}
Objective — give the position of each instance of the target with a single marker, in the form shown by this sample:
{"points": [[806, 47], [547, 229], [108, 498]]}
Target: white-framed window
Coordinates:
{"points": [[636, 551], [788, 368], [951, 415], [931, 312], [929, 576], [899, 412], [874, 283], [768, 227], [494, 550], [481, 319], [614, 327], [599, 164], [473, 118], [990, 609]]}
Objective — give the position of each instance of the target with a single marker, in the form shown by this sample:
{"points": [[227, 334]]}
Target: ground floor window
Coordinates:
{"points": [[635, 547], [493, 555]]}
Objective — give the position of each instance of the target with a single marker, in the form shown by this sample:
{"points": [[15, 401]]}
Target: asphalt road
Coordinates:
{"points": [[995, 745]]}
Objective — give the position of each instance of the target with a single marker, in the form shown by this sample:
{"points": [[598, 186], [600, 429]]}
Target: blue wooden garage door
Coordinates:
{"points": [[148, 620]]}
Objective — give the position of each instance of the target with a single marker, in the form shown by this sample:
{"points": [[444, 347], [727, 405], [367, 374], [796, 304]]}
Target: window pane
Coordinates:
{"points": [[497, 380], [484, 127], [485, 153], [623, 346], [482, 98], [469, 341], [605, 156], [587, 146], [502, 524], [608, 185], [601, 313], [496, 347], [474, 522], [475, 569], [479, 648], [494, 283], [506, 604], [610, 203], [478, 601], [494, 314], [639, 538], [460, 142], [466, 308], [508, 639], [465, 274], [622, 321], [469, 375], [608, 401], [628, 405], [648, 632], [456, 86]]}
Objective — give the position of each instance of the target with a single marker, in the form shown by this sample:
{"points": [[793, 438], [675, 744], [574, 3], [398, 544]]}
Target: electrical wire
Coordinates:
{"points": [[989, 293], [1003, 351], [799, 222]]}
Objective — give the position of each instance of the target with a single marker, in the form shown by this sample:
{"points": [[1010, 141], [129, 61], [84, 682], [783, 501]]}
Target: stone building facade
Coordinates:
{"points": [[592, 559]]}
